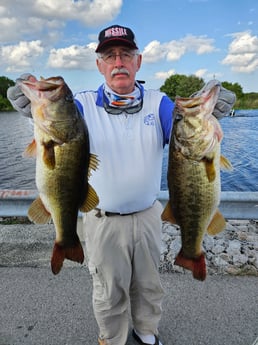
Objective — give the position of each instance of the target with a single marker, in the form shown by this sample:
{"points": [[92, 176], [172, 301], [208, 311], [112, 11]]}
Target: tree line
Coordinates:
{"points": [[184, 86], [5, 83], [175, 85]]}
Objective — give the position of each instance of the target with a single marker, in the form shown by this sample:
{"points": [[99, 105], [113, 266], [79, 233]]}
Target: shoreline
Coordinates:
{"points": [[234, 251]]}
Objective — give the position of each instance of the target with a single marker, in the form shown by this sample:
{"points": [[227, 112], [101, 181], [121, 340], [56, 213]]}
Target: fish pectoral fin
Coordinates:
{"points": [[210, 169], [225, 163], [37, 212], [91, 200], [168, 215], [93, 165], [31, 149], [49, 154], [217, 224]]}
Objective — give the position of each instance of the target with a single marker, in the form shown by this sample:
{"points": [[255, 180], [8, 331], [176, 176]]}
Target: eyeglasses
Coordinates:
{"points": [[125, 57]]}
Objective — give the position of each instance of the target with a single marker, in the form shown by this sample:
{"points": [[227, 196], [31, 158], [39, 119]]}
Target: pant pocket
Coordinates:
{"points": [[99, 285]]}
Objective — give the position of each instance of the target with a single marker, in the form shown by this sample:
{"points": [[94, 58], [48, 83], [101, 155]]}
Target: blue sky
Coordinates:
{"points": [[206, 38]]}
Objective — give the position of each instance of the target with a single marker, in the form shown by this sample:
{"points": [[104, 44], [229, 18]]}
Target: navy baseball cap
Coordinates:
{"points": [[116, 35]]}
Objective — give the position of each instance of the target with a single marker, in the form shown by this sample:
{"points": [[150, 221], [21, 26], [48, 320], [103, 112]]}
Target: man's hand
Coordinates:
{"points": [[225, 101], [17, 98]]}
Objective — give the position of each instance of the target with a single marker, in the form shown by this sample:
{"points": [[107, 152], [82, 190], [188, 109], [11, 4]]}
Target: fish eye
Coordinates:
{"points": [[69, 98], [178, 117]]}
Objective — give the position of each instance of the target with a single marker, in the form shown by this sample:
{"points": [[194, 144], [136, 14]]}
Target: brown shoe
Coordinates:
{"points": [[102, 341]]}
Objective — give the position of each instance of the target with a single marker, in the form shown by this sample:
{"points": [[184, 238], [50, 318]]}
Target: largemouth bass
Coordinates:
{"points": [[63, 162], [194, 177]]}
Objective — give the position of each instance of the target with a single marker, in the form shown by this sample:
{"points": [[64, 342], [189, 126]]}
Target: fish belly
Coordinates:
{"points": [[193, 199], [63, 188]]}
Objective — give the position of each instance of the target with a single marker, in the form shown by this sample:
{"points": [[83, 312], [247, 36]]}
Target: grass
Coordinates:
{"points": [[14, 220]]}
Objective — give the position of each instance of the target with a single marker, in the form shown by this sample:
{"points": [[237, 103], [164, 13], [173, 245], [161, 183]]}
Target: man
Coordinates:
{"points": [[128, 128]]}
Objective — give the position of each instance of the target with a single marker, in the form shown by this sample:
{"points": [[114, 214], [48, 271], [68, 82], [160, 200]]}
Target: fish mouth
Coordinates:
{"points": [[52, 88], [190, 103], [48, 84]]}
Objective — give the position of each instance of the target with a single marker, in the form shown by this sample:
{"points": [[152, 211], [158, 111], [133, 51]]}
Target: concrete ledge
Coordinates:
{"points": [[234, 205]]}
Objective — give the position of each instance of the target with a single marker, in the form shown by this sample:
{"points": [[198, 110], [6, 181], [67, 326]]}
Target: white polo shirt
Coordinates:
{"points": [[129, 148]]}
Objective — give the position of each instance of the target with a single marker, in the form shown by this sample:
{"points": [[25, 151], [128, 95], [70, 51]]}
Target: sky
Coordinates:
{"points": [[207, 38]]}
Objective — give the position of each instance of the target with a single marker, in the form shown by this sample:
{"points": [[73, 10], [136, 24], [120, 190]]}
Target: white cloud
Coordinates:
{"points": [[89, 12], [164, 75], [198, 44], [153, 52], [174, 50], [31, 25], [19, 57], [29, 19], [243, 42], [200, 73], [73, 57], [243, 53], [207, 75]]}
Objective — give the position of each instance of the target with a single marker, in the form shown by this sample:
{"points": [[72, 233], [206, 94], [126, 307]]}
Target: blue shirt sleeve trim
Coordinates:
{"points": [[79, 106], [166, 115], [99, 100]]}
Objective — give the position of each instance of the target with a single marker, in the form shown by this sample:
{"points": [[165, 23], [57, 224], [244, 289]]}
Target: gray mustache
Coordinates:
{"points": [[119, 70]]}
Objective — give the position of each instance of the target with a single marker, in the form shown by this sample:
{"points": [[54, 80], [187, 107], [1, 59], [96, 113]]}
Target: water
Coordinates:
{"points": [[16, 171], [239, 146]]}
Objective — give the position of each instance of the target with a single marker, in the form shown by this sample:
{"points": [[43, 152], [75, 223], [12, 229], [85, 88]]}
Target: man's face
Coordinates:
{"points": [[119, 65]]}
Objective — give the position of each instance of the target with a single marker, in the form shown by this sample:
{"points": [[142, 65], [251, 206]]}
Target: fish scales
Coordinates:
{"points": [[63, 163], [194, 177], [193, 198], [64, 185]]}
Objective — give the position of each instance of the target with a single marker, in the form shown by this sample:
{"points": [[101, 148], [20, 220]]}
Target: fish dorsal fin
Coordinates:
{"points": [[31, 149], [217, 224], [168, 215], [37, 212], [93, 165], [225, 163], [91, 201]]}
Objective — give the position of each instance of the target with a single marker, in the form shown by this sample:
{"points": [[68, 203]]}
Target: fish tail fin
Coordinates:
{"points": [[196, 265], [74, 253]]}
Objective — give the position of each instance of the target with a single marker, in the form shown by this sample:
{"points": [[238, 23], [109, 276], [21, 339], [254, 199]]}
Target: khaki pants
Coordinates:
{"points": [[124, 255]]}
